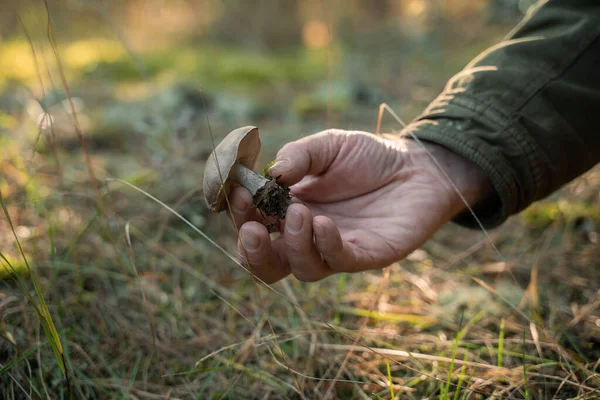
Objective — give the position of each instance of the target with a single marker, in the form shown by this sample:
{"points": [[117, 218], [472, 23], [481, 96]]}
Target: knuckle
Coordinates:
{"points": [[286, 149], [295, 247]]}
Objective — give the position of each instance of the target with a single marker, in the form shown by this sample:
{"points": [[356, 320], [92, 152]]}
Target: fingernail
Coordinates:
{"points": [[293, 221], [280, 166], [250, 241]]}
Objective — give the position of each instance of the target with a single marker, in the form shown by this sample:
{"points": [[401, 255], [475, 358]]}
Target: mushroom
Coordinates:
{"points": [[231, 163]]}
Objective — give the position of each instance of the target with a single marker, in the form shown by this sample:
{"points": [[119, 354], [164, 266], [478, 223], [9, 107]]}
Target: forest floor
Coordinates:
{"points": [[106, 293]]}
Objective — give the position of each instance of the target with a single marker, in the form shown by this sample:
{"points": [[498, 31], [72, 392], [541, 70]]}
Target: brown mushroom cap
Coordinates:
{"points": [[242, 146]]}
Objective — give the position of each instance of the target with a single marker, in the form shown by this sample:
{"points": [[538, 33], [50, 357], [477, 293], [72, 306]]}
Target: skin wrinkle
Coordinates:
{"points": [[372, 216], [331, 211], [388, 168], [369, 193], [330, 147], [417, 175], [337, 154]]}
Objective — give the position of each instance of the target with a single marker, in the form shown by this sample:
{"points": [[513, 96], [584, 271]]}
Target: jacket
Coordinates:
{"points": [[526, 110]]}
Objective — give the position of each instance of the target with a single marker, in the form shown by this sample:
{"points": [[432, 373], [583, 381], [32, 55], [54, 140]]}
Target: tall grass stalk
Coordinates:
{"points": [[40, 306]]}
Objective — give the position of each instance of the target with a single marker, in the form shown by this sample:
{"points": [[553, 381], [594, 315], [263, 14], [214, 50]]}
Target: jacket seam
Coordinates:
{"points": [[506, 121]]}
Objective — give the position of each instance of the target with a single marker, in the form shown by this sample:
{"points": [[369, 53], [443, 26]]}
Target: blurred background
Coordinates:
{"points": [[145, 307]]}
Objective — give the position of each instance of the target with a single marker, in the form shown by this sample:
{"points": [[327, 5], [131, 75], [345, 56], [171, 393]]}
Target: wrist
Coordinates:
{"points": [[466, 176]]}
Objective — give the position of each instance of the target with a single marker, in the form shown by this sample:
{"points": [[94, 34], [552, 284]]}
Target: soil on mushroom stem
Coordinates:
{"points": [[273, 199]]}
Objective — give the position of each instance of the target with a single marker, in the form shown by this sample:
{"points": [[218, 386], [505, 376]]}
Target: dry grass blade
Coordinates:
{"points": [[147, 293], [432, 358], [76, 124], [281, 294], [407, 354], [384, 281], [383, 107]]}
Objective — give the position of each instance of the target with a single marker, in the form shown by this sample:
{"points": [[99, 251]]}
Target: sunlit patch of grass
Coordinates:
{"points": [[18, 63], [210, 65], [87, 52], [229, 66], [541, 215], [12, 265], [418, 321]]}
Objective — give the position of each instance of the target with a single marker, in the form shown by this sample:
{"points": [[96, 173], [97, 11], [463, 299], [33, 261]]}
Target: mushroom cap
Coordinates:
{"points": [[242, 146]]}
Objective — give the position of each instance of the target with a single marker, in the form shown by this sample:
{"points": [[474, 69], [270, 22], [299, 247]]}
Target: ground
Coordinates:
{"points": [[109, 293]]}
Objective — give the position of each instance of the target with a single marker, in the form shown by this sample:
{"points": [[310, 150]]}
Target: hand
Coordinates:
{"points": [[365, 202]]}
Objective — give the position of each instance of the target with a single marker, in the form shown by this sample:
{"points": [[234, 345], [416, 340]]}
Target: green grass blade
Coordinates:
{"points": [[525, 371], [459, 335], [461, 378], [16, 361], [51, 238], [79, 236], [501, 343], [389, 373], [208, 381]]}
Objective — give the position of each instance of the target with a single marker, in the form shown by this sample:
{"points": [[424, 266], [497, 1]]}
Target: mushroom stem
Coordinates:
{"points": [[247, 178]]}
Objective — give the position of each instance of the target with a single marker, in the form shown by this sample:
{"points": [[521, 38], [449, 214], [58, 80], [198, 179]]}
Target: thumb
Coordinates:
{"points": [[311, 155]]}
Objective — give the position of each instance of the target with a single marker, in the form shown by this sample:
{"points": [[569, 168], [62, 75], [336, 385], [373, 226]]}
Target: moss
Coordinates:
{"points": [[541, 215], [267, 167]]}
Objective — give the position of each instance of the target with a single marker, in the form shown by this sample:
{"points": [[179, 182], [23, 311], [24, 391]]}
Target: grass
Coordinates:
{"points": [[38, 303], [138, 295], [501, 343]]}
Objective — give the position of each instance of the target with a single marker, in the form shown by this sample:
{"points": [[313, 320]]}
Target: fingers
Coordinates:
{"points": [[302, 255], [311, 249], [259, 254], [242, 209], [311, 155], [335, 252]]}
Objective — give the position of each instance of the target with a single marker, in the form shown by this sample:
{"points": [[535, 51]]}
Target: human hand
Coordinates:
{"points": [[365, 201]]}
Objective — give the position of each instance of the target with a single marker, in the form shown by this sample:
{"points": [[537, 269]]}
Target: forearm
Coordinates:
{"points": [[526, 111]]}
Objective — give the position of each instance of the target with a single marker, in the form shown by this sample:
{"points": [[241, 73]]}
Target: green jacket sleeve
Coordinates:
{"points": [[527, 110]]}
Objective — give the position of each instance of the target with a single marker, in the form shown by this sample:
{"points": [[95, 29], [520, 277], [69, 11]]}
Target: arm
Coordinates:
{"points": [[526, 111], [520, 121], [363, 202]]}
